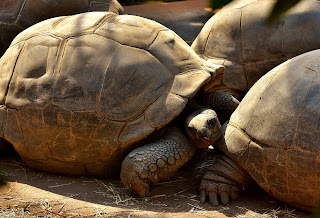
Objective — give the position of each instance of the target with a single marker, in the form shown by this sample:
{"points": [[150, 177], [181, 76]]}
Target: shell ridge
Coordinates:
{"points": [[207, 38], [55, 24], [152, 101], [60, 53], [122, 43], [241, 49], [165, 89], [9, 82], [105, 19], [258, 142], [102, 85], [38, 35], [302, 107], [122, 128], [240, 129], [168, 70], [60, 35], [148, 47], [266, 145]]}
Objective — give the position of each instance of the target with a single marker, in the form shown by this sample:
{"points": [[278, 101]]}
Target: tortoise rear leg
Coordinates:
{"points": [[156, 161], [224, 180]]}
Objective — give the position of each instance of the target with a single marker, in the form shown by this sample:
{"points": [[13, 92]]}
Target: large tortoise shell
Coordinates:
{"points": [[238, 37], [16, 15], [78, 91], [274, 132]]}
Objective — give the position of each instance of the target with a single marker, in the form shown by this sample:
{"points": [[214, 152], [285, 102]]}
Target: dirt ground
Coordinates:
{"points": [[31, 193]]}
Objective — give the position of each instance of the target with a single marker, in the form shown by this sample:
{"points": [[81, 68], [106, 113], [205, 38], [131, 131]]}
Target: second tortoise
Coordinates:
{"points": [[239, 38], [273, 137]]}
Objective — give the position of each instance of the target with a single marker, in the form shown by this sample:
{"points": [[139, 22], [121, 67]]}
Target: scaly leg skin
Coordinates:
{"points": [[223, 180], [223, 103], [156, 161]]}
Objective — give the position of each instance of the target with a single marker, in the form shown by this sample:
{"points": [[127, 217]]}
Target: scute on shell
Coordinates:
{"points": [[93, 84], [237, 37], [274, 132]]}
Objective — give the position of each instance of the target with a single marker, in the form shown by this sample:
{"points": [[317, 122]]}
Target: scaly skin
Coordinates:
{"points": [[224, 180], [159, 160], [156, 161], [223, 103]]}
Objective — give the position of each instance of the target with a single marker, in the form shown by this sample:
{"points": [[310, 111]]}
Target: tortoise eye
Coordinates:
{"points": [[212, 123]]}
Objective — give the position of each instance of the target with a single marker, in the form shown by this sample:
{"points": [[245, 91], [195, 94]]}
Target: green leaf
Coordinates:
{"points": [[280, 7]]}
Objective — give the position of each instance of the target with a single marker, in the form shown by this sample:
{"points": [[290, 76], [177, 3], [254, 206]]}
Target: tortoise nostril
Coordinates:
{"points": [[202, 132]]}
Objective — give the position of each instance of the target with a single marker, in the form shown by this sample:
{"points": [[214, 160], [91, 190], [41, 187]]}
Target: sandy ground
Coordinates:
{"points": [[31, 193]]}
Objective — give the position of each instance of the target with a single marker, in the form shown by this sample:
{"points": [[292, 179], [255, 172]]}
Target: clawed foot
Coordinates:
{"points": [[144, 189], [156, 161], [135, 183], [222, 182], [217, 192]]}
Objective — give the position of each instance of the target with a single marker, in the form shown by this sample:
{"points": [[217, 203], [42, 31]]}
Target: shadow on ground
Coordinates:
{"points": [[32, 192]]}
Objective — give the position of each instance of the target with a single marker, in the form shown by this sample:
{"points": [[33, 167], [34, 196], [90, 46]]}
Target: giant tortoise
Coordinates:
{"points": [[273, 136], [16, 15], [77, 93], [237, 37]]}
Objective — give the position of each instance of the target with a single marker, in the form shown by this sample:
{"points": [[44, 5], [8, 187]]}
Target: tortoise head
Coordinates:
{"points": [[203, 127]]}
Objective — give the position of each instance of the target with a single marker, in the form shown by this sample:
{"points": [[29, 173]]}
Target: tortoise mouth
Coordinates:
{"points": [[210, 139], [205, 136]]}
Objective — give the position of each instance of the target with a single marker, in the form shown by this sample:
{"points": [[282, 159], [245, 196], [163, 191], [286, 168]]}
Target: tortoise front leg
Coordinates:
{"points": [[156, 161], [223, 103], [223, 180]]}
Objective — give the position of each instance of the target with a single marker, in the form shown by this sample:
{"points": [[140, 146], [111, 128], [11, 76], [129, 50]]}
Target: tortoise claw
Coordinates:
{"points": [[223, 181], [224, 196], [217, 191], [213, 198], [202, 196], [144, 189]]}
